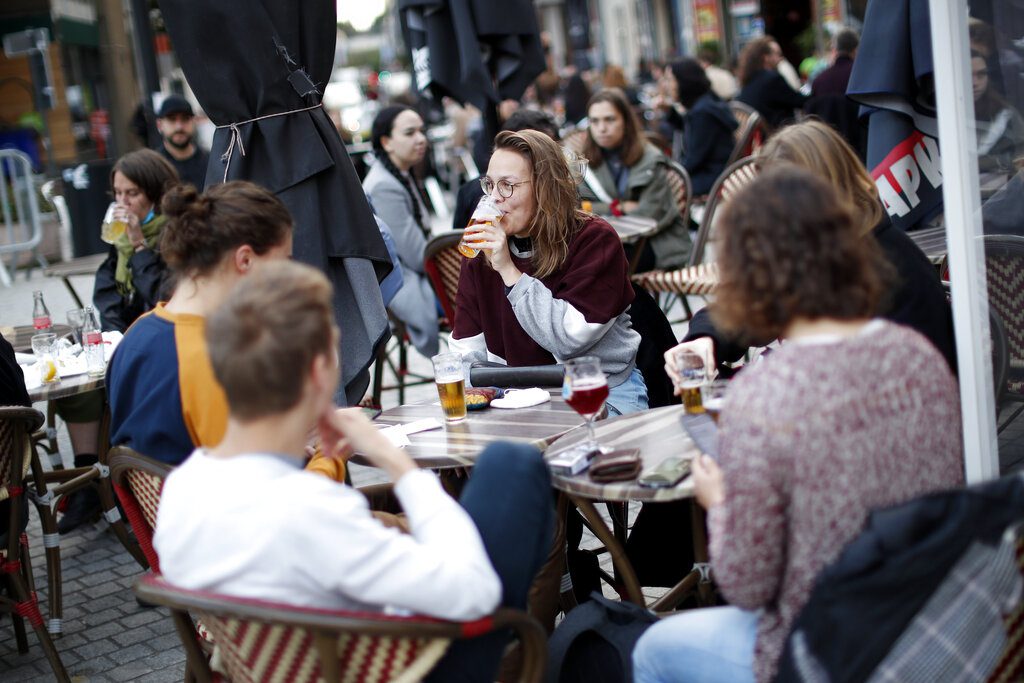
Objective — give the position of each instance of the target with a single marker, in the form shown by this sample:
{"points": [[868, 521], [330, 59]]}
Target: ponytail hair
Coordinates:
{"points": [[383, 126], [202, 228]]}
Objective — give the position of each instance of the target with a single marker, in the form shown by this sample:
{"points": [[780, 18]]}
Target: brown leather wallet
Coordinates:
{"points": [[618, 465]]}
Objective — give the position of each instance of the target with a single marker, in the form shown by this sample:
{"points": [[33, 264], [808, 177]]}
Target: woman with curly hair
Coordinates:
{"points": [[399, 144], [551, 282], [851, 413]]}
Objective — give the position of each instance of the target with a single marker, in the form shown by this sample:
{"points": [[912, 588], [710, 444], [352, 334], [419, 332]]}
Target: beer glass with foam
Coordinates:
{"points": [[485, 213], [451, 385]]}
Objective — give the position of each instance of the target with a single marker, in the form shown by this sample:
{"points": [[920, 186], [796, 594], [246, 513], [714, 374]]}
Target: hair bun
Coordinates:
{"points": [[179, 200]]}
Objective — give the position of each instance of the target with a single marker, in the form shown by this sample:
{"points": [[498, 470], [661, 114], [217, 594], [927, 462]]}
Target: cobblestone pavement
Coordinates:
{"points": [[107, 635]]}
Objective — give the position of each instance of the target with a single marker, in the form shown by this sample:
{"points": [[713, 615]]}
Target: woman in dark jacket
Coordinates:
{"points": [[130, 281], [708, 125], [916, 297], [762, 86]]}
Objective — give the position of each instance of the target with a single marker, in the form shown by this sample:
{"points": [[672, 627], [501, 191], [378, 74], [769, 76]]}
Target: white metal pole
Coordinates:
{"points": [[961, 197]]}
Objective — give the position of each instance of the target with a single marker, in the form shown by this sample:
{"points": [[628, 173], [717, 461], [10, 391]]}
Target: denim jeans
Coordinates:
{"points": [[628, 397], [713, 645], [509, 499]]}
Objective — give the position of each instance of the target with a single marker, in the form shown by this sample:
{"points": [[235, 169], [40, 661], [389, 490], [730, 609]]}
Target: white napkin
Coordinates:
{"points": [[398, 435], [522, 398]]}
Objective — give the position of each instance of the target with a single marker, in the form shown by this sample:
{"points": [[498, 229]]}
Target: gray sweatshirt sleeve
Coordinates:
{"points": [[562, 330]]}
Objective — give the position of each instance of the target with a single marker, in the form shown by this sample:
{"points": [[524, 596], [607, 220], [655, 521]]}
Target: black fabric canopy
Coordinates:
{"points": [[475, 51], [258, 68]]}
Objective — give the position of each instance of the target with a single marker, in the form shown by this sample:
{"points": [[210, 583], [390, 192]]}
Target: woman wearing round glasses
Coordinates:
{"points": [[551, 283]]}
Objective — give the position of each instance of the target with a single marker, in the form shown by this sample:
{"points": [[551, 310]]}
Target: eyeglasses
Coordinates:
{"points": [[505, 188]]}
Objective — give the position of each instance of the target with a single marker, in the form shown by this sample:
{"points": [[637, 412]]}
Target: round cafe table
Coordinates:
{"points": [[658, 434]]}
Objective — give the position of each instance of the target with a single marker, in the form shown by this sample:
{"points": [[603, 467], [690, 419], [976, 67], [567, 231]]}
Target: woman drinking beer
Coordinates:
{"points": [[550, 283], [129, 281]]}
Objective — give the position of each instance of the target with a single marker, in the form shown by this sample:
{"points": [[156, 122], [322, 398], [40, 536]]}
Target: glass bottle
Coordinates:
{"points": [[41, 320]]}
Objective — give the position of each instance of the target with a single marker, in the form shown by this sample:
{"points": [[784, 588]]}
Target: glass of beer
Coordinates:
{"points": [[712, 397], [693, 374], [585, 389], [44, 348], [485, 213], [451, 385], [113, 228]]}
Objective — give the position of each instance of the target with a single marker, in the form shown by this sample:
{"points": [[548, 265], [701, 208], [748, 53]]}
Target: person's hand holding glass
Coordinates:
{"points": [[690, 374]]}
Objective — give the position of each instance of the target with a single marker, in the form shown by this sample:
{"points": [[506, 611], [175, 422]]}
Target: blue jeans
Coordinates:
{"points": [[628, 397], [509, 499], [712, 645]]}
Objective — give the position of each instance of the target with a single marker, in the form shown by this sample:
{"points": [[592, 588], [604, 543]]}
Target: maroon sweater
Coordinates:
{"points": [[579, 309]]}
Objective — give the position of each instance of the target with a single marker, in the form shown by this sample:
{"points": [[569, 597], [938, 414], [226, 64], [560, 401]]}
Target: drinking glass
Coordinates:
{"points": [[712, 397], [76, 319], [585, 388], [577, 164], [485, 213], [693, 374], [46, 360], [451, 385], [113, 228]]}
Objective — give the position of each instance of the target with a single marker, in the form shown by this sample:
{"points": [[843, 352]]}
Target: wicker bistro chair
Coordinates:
{"points": [[19, 595], [699, 278], [138, 481], [1004, 267], [261, 642], [751, 136], [441, 261]]}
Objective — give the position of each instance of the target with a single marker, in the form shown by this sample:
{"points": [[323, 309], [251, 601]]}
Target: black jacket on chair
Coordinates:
{"points": [[769, 93]]}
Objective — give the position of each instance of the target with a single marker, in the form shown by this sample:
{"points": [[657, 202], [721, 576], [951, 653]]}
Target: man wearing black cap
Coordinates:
{"points": [[177, 128]]}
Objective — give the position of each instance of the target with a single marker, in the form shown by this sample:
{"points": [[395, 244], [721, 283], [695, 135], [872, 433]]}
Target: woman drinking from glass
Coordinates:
{"points": [[550, 283], [129, 281]]}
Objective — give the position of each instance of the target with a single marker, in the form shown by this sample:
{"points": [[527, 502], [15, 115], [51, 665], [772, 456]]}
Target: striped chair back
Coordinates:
{"points": [[138, 482], [256, 651], [733, 178], [259, 641], [679, 183], [750, 137], [741, 112], [442, 262]]}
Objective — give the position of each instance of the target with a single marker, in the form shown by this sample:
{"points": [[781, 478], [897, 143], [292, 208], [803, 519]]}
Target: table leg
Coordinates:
{"points": [[705, 595], [71, 290], [618, 553]]}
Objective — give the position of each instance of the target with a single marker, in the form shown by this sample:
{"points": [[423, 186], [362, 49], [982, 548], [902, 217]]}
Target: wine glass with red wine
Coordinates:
{"points": [[585, 388]]}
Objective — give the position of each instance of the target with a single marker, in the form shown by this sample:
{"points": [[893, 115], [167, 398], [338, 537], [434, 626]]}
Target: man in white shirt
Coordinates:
{"points": [[244, 519]]}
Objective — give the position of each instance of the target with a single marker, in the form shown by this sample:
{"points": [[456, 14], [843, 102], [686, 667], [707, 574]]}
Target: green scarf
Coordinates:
{"points": [[125, 251]]}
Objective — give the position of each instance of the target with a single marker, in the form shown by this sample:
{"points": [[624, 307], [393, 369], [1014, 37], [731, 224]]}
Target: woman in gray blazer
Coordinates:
{"points": [[399, 144]]}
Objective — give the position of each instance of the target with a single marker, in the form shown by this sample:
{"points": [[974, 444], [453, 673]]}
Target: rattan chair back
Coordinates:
{"points": [[751, 136], [679, 183], [733, 178], [1004, 266], [18, 595], [442, 262], [260, 641], [138, 481]]}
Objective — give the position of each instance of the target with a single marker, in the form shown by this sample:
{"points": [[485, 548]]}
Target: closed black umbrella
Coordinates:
{"points": [[893, 78], [475, 51], [258, 68]]}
